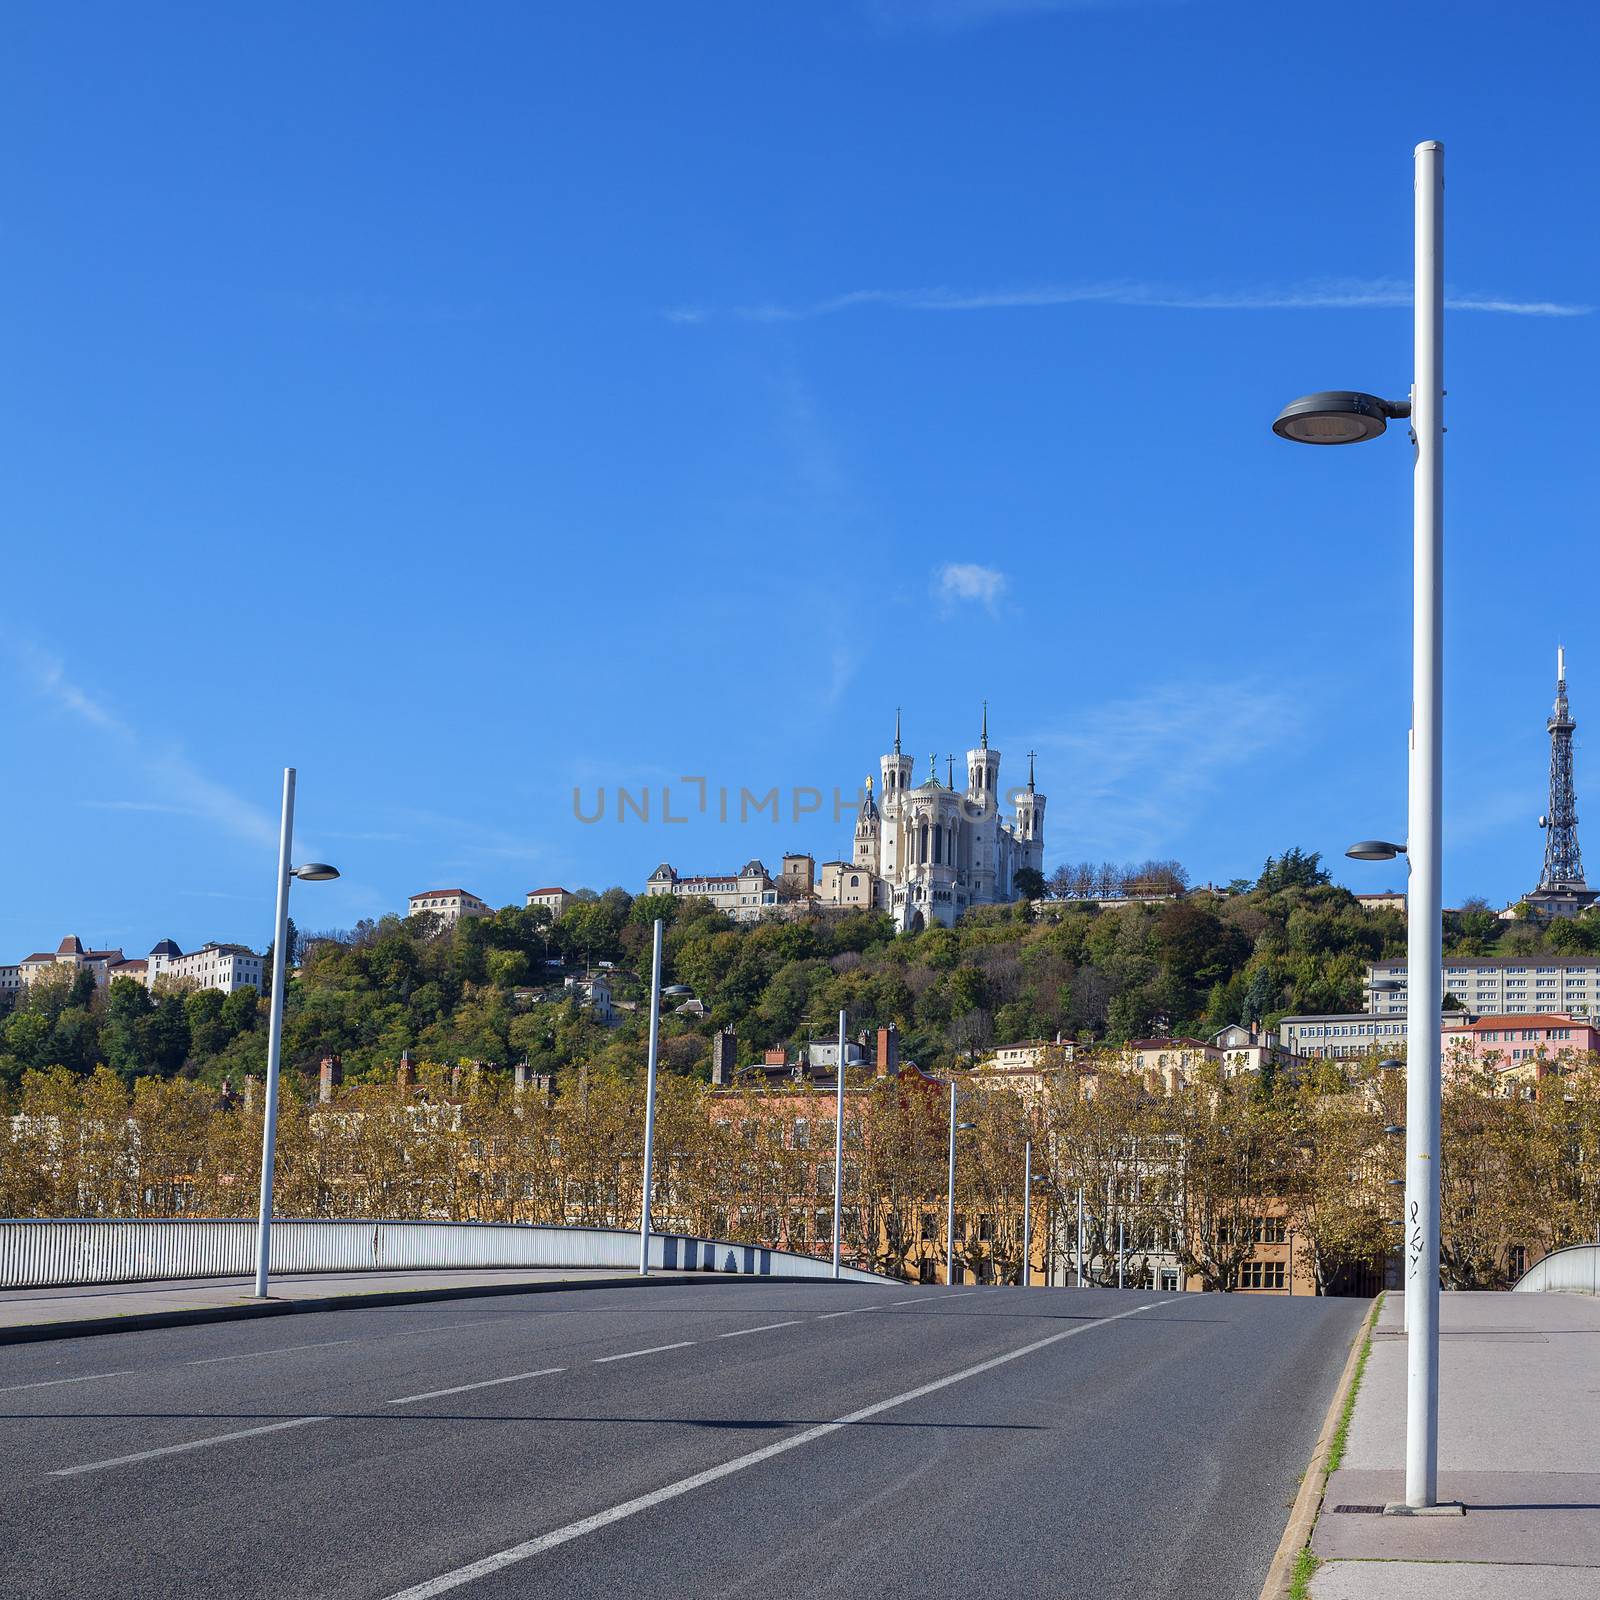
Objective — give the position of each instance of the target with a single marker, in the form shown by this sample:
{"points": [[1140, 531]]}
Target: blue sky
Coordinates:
{"points": [[471, 404]]}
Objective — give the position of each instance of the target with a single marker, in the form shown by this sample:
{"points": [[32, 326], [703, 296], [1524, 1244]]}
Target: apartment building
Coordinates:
{"points": [[1339, 1034], [72, 954], [1568, 985], [213, 966], [451, 905]]}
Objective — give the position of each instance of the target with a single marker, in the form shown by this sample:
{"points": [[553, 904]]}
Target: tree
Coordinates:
{"points": [[1028, 883], [1294, 869]]}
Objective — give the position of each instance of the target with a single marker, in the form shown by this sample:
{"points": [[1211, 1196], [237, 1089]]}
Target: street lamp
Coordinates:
{"points": [[838, 1148], [656, 992], [311, 872], [1347, 417], [950, 1202]]}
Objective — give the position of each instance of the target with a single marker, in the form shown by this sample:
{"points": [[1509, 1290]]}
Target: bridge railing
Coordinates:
{"points": [[54, 1252], [1573, 1269]]}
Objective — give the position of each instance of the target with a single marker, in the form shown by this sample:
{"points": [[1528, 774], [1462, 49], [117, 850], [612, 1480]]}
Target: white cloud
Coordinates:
{"points": [[1128, 780], [959, 582], [1364, 294], [168, 769]]}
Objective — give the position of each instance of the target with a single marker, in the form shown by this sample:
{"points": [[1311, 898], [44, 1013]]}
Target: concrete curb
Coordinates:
{"points": [[1308, 1502], [135, 1322]]}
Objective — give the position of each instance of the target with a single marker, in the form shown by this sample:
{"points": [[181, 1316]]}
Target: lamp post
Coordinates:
{"points": [[950, 1198], [1027, 1212], [656, 992], [838, 1148], [311, 872], [1346, 417]]}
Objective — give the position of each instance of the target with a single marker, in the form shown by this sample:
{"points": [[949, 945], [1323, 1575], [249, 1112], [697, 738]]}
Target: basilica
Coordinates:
{"points": [[932, 850]]}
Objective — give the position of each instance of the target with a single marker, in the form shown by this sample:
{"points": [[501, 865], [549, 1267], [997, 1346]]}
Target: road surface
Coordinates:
{"points": [[722, 1438]]}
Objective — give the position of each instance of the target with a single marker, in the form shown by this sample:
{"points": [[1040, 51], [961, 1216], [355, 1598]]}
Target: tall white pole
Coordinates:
{"points": [[1027, 1208], [1423, 933], [650, 1102], [838, 1148], [1080, 1235], [280, 962], [950, 1202]]}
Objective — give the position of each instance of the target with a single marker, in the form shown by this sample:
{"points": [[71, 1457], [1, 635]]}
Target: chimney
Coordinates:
{"points": [[724, 1048], [332, 1077], [888, 1051], [250, 1091], [475, 1079], [777, 1056], [455, 1079], [541, 1082], [405, 1077], [519, 1077], [227, 1093]]}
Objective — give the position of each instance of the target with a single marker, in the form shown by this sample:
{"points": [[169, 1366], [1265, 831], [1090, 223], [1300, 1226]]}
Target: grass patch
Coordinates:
{"points": [[1342, 1433], [1305, 1567]]}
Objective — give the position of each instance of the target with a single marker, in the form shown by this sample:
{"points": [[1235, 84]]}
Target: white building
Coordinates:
{"points": [[935, 850], [555, 900], [1504, 985], [451, 905], [213, 966]]}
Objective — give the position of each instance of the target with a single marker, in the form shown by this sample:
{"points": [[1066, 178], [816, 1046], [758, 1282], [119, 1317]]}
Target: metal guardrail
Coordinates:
{"points": [[55, 1252], [1573, 1269]]}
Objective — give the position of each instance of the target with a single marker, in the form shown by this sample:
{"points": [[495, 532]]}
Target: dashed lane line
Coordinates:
{"points": [[485, 1383], [48, 1383], [766, 1327], [180, 1449], [654, 1350]]}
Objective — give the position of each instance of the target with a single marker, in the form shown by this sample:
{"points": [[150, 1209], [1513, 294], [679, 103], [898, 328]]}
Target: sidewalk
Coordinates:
{"points": [[67, 1313], [1519, 1444]]}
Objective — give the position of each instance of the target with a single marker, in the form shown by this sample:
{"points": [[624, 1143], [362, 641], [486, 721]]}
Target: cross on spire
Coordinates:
{"points": [[1031, 755], [897, 730], [984, 742], [950, 771]]}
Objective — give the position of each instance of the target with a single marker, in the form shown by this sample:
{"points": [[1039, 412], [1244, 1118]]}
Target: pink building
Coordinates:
{"points": [[1536, 1040]]}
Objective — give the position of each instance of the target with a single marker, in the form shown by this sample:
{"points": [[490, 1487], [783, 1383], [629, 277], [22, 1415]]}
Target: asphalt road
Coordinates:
{"points": [[723, 1438]]}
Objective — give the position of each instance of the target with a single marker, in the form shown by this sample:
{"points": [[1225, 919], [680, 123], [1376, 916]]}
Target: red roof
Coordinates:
{"points": [[433, 894], [1525, 1019], [554, 888]]}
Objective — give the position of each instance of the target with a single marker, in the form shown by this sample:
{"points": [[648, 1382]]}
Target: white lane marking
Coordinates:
{"points": [[277, 1350], [850, 1313], [179, 1449], [766, 1327], [601, 1519], [88, 1377], [487, 1383], [654, 1350]]}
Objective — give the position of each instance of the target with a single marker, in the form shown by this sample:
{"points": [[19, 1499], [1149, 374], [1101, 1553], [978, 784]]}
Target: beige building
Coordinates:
{"points": [[746, 895], [213, 966], [554, 900], [1337, 1035], [70, 953], [1387, 900], [450, 904]]}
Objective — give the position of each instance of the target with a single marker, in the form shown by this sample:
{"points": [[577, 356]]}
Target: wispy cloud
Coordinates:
{"points": [[166, 768], [1365, 294], [966, 583], [1137, 772]]}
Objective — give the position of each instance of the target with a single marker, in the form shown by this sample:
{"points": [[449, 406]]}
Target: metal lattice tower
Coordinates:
{"points": [[1563, 865]]}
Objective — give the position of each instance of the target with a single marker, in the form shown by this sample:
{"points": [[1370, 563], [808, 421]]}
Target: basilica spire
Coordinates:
{"points": [[1031, 755], [983, 743], [897, 730]]}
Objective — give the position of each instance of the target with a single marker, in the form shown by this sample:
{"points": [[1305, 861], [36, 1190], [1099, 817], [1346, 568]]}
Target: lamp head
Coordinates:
{"points": [[677, 989], [1389, 1064], [1337, 416], [314, 872], [1375, 850]]}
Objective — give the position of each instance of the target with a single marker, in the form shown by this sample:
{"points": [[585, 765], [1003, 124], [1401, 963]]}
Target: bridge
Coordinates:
{"points": [[716, 1433]]}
